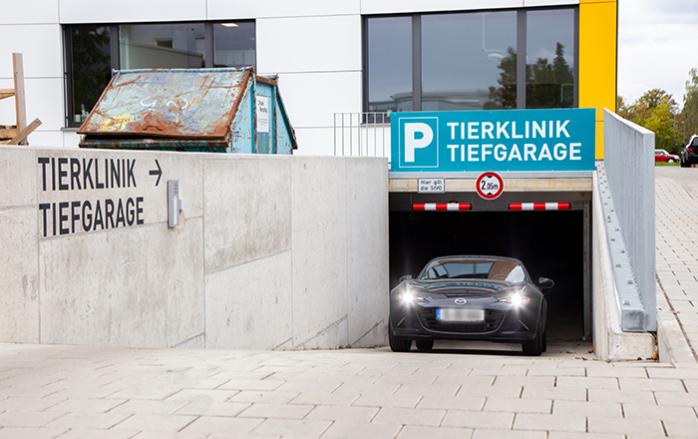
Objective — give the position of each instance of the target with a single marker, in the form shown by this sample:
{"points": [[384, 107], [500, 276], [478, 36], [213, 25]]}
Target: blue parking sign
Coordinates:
{"points": [[498, 140]]}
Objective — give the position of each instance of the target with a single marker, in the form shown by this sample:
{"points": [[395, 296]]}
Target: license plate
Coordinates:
{"points": [[431, 186], [460, 315]]}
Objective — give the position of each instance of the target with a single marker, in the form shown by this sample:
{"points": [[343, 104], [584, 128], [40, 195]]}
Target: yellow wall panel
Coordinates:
{"points": [[598, 41]]}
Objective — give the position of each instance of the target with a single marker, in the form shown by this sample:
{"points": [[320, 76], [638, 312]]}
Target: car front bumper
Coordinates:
{"points": [[503, 323]]}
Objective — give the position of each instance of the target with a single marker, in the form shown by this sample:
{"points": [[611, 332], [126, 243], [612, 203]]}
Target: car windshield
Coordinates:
{"points": [[695, 142], [491, 269]]}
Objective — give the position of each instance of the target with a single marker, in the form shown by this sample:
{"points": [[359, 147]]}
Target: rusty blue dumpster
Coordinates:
{"points": [[196, 110]]}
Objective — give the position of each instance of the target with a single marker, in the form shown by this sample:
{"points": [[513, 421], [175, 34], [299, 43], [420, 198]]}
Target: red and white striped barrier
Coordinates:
{"points": [[441, 207], [540, 206]]}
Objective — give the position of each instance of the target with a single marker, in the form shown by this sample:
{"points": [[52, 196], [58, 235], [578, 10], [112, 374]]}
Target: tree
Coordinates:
{"points": [[657, 111], [662, 121], [688, 118]]}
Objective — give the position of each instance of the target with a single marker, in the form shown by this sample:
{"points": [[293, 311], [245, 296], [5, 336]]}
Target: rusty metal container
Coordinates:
{"points": [[196, 110]]}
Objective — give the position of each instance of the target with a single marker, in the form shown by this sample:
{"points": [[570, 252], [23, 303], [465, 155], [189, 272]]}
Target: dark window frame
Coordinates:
{"points": [[521, 34], [209, 52]]}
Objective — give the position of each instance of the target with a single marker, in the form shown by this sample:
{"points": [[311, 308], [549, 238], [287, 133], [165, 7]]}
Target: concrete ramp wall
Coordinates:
{"points": [[271, 252]]}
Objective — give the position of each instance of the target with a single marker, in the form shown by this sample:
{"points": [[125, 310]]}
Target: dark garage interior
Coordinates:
{"points": [[549, 243]]}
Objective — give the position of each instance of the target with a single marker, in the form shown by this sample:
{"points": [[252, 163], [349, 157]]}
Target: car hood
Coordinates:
{"points": [[469, 287]]}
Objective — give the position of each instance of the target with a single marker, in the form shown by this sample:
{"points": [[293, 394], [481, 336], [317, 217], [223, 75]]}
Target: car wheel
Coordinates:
{"points": [[670, 160], [545, 342], [540, 343], [425, 345], [398, 344], [534, 347]]}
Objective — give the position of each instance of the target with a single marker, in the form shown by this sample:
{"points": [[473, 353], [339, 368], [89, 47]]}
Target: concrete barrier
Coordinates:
{"points": [[270, 253], [610, 341]]}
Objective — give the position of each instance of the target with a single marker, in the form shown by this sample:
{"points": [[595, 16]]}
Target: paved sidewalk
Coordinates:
{"points": [[677, 253], [80, 392]]}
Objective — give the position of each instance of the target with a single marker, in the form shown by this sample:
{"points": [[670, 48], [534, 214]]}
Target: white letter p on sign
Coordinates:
{"points": [[426, 135]]}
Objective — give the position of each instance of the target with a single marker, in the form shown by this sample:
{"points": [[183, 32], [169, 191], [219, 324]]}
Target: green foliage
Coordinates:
{"points": [[657, 111], [688, 118], [662, 120]]}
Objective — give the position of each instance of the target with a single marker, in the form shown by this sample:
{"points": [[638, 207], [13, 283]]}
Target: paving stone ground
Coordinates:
{"points": [[81, 392], [677, 247]]}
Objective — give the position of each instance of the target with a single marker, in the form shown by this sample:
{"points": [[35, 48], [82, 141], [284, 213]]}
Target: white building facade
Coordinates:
{"points": [[319, 49]]}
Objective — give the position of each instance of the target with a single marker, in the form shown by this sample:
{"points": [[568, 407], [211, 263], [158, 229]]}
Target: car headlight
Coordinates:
{"points": [[518, 299], [408, 297]]}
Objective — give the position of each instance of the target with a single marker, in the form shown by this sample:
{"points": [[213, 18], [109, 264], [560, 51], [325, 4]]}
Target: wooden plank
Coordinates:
{"points": [[20, 104], [8, 133], [6, 93], [21, 137]]}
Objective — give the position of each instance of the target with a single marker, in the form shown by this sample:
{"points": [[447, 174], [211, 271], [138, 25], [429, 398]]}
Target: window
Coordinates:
{"points": [[89, 63], [550, 58], [471, 60], [145, 46], [234, 44], [92, 51], [390, 61], [448, 268]]}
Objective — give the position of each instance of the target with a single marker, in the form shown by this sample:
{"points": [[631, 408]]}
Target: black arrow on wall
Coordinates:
{"points": [[157, 172]]}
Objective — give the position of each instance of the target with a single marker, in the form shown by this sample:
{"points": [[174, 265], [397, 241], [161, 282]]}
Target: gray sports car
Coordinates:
{"points": [[469, 298]]}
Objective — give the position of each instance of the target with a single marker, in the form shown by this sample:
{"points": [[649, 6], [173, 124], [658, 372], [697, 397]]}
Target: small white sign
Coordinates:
{"points": [[431, 186], [262, 112]]}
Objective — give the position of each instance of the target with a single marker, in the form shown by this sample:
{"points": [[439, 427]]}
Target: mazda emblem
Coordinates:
{"points": [[461, 301]]}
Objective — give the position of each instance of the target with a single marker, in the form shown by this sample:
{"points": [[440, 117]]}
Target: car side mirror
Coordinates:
{"points": [[404, 278], [545, 283]]}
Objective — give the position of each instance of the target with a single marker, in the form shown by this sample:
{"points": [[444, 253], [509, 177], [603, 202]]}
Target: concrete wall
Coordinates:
{"points": [[629, 171], [610, 341], [272, 252]]}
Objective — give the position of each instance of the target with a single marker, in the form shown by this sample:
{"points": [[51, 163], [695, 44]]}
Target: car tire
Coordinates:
{"points": [[425, 345], [545, 342], [539, 344], [534, 347], [398, 344]]}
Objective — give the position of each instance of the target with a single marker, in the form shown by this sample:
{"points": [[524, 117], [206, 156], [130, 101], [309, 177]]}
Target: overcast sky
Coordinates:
{"points": [[658, 46]]}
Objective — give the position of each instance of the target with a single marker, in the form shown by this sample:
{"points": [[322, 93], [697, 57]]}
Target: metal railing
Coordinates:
{"points": [[628, 173], [364, 134]]}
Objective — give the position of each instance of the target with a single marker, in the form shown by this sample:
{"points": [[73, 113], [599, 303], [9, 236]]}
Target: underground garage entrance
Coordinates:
{"points": [[552, 242]]}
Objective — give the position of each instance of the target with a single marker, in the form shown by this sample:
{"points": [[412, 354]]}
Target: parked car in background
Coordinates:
{"points": [[663, 156], [689, 154], [469, 298]]}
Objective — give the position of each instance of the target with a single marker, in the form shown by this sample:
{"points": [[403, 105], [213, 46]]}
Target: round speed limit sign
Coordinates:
{"points": [[489, 185]]}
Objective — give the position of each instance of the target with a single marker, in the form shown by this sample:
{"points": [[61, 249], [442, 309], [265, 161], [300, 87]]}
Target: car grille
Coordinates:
{"points": [[493, 319]]}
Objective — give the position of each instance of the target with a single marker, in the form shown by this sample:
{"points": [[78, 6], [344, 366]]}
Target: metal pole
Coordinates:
{"points": [[586, 230], [375, 130], [351, 134], [358, 131], [383, 131]]}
